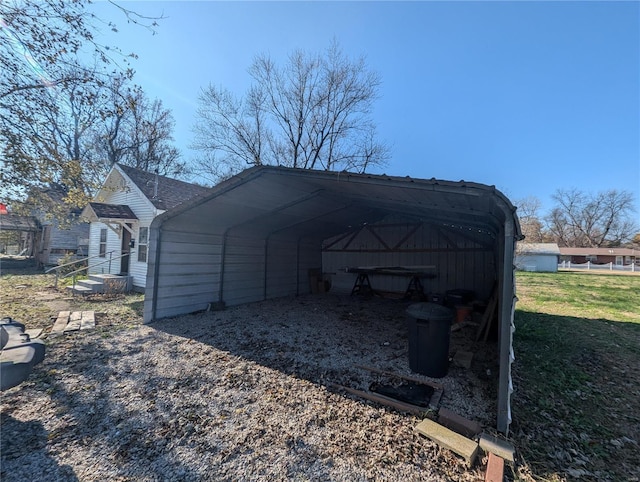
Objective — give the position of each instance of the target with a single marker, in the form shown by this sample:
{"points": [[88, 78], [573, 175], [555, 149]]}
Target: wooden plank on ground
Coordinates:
{"points": [[404, 377], [458, 423], [74, 322], [88, 320], [61, 323], [449, 439], [438, 389], [388, 401]]}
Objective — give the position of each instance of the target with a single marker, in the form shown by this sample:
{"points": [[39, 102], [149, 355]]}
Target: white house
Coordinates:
{"points": [[124, 207], [537, 257]]}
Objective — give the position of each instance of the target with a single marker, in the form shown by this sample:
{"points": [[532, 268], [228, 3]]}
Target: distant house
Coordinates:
{"points": [[124, 208], [616, 256], [52, 232], [18, 234], [62, 235], [59, 243], [537, 257]]}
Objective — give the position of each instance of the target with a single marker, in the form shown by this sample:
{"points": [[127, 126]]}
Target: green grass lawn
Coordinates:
{"points": [[576, 406]]}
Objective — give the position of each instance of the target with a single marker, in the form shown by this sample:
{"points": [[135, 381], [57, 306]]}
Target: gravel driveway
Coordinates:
{"points": [[240, 394]]}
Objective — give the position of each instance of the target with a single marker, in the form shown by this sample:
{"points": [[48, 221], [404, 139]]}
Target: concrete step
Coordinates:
{"points": [[102, 283], [80, 290], [100, 277], [95, 286], [113, 283]]}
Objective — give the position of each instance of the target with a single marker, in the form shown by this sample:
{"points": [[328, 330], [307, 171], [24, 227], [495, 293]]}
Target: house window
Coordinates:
{"points": [[592, 258], [619, 260], [143, 242], [103, 243]]}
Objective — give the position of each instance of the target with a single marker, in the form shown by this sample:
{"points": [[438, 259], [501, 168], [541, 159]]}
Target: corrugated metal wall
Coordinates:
{"points": [[462, 259], [190, 275], [189, 271], [244, 265]]}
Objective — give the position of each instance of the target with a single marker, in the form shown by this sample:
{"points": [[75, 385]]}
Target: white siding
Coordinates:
{"points": [[117, 192], [99, 265], [537, 262]]}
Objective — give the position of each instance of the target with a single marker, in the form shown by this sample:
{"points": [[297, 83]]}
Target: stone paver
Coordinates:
{"points": [[88, 320], [502, 448], [449, 439], [74, 321], [68, 322], [61, 323]]}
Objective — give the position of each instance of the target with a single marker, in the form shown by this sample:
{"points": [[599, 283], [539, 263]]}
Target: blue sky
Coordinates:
{"points": [[527, 96]]}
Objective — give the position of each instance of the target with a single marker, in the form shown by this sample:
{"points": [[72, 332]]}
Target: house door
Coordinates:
{"points": [[126, 251]]}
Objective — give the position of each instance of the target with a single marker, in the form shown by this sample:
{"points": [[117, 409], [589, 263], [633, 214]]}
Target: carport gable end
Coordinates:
{"points": [[256, 235]]}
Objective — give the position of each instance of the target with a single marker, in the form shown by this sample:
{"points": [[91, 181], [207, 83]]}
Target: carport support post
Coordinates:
{"points": [[266, 257], [223, 250], [155, 274], [298, 266], [506, 313]]}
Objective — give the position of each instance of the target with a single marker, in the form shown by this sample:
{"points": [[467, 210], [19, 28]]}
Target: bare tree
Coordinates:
{"points": [[54, 145], [41, 43], [591, 220], [50, 101], [233, 128], [312, 113], [139, 133], [530, 219]]}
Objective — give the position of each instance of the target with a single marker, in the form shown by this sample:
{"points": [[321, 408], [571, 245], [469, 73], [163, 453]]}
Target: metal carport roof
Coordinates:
{"points": [[267, 201], [321, 204]]}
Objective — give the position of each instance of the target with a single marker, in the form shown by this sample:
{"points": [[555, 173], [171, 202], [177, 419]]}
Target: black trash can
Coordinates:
{"points": [[429, 334]]}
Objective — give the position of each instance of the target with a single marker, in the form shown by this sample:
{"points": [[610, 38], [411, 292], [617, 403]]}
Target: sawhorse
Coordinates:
{"points": [[362, 286]]}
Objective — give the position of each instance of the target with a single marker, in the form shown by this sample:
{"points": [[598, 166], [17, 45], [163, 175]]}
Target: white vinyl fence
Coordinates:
{"points": [[593, 266]]}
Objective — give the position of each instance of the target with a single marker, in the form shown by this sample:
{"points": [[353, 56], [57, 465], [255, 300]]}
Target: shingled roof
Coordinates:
{"points": [[170, 192], [14, 222], [111, 211]]}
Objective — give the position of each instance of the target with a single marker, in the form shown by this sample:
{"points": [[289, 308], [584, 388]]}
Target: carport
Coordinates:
{"points": [[259, 234]]}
